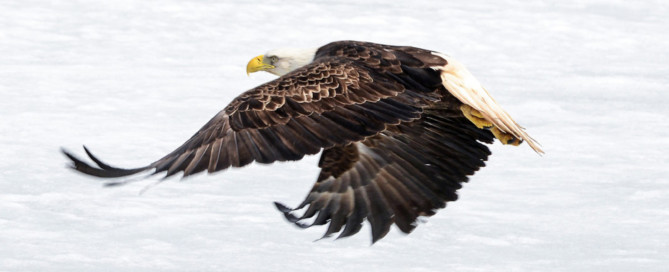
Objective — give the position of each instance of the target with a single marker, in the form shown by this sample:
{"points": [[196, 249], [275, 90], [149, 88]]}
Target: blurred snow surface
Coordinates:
{"points": [[133, 79]]}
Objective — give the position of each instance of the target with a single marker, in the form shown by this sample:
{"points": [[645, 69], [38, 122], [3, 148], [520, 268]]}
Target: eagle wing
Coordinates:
{"points": [[330, 102], [408, 170]]}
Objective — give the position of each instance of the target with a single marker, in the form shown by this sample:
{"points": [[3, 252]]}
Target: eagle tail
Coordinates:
{"points": [[102, 170], [481, 108]]}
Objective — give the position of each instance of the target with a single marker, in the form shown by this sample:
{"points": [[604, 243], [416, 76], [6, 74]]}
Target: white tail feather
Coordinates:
{"points": [[465, 87]]}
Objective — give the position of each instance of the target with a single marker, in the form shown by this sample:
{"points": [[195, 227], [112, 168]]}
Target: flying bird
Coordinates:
{"points": [[400, 129]]}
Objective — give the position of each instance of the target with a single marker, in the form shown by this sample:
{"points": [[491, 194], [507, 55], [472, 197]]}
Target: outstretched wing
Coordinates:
{"points": [[407, 171], [330, 102]]}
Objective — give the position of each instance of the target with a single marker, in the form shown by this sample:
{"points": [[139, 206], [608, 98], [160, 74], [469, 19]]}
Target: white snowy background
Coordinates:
{"points": [[133, 79]]}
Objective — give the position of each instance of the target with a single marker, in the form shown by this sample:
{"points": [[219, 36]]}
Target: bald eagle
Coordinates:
{"points": [[400, 128]]}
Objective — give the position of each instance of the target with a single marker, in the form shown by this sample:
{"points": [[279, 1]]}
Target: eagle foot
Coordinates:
{"points": [[475, 117], [505, 138]]}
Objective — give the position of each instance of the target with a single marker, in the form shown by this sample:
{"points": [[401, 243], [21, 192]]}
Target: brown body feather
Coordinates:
{"points": [[395, 143]]}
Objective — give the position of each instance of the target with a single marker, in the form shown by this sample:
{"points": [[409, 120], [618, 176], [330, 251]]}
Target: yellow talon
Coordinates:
{"points": [[475, 117], [505, 138]]}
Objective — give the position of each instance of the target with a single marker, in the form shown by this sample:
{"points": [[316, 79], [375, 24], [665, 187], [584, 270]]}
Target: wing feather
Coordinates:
{"points": [[407, 171]]}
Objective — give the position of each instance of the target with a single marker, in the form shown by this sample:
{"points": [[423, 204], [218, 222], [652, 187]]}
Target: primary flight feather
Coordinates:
{"points": [[400, 128]]}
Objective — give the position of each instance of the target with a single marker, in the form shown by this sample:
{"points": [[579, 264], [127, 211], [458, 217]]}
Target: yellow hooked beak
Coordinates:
{"points": [[256, 64]]}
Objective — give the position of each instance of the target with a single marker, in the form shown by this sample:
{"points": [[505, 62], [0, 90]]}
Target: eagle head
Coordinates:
{"points": [[281, 61]]}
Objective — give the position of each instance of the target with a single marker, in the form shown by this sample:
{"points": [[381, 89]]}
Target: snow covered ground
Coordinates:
{"points": [[133, 79]]}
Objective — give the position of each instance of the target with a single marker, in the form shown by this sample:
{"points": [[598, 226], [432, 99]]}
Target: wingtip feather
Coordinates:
{"points": [[104, 170]]}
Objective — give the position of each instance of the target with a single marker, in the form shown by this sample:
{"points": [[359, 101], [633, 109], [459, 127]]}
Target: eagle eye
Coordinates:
{"points": [[273, 59]]}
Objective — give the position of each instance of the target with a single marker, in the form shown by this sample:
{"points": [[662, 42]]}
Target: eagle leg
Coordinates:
{"points": [[479, 120], [475, 117]]}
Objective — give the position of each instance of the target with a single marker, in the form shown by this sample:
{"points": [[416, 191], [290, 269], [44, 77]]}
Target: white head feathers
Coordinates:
{"points": [[286, 60]]}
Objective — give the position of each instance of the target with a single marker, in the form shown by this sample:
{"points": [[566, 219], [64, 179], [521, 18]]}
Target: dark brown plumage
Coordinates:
{"points": [[395, 142]]}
